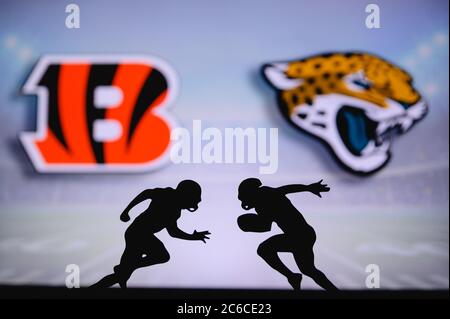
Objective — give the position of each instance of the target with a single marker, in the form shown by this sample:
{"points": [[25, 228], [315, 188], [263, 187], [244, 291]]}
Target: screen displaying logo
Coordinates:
{"points": [[354, 102], [100, 113]]}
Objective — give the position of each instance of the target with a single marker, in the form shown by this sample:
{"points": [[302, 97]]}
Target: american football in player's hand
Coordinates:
{"points": [[248, 222]]}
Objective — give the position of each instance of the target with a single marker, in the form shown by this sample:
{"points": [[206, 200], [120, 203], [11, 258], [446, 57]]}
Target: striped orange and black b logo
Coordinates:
{"points": [[101, 113]]}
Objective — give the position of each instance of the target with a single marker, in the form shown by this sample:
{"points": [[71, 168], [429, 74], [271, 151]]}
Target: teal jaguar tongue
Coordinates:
{"points": [[355, 128]]}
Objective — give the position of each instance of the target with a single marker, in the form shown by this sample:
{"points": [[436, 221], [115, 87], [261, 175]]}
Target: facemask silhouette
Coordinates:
{"points": [[143, 248], [272, 205]]}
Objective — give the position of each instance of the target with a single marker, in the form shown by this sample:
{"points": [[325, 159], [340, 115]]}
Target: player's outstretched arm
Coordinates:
{"points": [[176, 232], [293, 188], [253, 223], [144, 195], [315, 188]]}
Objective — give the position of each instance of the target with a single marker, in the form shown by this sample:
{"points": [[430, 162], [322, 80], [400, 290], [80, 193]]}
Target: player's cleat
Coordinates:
{"points": [[295, 281]]}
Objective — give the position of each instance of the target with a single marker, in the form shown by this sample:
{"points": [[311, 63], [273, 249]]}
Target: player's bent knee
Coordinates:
{"points": [[263, 251], [164, 257]]}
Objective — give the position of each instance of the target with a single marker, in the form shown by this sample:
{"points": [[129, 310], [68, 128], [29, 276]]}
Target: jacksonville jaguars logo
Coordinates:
{"points": [[100, 113], [354, 102]]}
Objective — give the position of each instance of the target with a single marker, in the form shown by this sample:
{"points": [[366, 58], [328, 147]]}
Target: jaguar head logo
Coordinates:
{"points": [[354, 102]]}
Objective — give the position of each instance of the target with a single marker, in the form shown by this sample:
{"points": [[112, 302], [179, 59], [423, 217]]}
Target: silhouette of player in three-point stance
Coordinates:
{"points": [[142, 247], [272, 205]]}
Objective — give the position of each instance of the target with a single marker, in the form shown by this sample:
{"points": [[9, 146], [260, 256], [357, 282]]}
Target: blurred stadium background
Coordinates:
{"points": [[397, 219]]}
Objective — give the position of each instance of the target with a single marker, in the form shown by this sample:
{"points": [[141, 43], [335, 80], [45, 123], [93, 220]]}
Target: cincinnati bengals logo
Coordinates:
{"points": [[101, 113]]}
